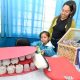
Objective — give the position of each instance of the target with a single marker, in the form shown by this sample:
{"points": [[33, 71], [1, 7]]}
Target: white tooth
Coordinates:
{"points": [[26, 67], [2, 70], [32, 66], [28, 57], [14, 61], [0, 63], [22, 58], [19, 68], [11, 69], [6, 62]]}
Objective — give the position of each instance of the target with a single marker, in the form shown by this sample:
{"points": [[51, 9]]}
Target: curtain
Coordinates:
{"points": [[21, 18], [0, 16], [76, 16]]}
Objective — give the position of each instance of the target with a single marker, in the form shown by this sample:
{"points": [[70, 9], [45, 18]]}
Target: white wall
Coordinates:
{"points": [[49, 13]]}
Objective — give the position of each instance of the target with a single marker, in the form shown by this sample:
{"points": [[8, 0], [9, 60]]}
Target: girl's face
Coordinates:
{"points": [[65, 12], [44, 38]]}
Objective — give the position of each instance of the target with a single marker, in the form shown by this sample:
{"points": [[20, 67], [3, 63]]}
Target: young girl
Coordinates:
{"points": [[45, 44]]}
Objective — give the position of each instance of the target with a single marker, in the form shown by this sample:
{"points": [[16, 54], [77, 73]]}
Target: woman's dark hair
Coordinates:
{"points": [[47, 33], [72, 6]]}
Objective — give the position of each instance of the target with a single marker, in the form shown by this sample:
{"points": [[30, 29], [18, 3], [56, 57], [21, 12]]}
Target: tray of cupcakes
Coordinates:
{"points": [[18, 62]]}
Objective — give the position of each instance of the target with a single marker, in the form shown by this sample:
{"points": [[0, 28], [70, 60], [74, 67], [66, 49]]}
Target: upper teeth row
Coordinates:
{"points": [[7, 62]]}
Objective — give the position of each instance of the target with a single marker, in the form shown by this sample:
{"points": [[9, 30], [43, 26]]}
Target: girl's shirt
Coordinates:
{"points": [[48, 48]]}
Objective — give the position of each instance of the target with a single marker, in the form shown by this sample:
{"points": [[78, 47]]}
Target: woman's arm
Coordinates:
{"points": [[52, 25], [73, 25]]}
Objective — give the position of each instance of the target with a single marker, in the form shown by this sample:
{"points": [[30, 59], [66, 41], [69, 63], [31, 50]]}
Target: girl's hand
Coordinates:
{"points": [[42, 52]]}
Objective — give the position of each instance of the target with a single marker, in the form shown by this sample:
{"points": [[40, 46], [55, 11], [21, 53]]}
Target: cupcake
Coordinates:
{"points": [[5, 62], [22, 58], [26, 67], [2, 70], [11, 69], [19, 68], [14, 61]]}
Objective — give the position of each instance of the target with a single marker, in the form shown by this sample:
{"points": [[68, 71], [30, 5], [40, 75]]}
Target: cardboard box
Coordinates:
{"points": [[69, 45]]}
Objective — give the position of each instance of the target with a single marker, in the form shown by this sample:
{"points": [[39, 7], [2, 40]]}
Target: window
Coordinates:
{"points": [[29, 17], [0, 16], [23, 17]]}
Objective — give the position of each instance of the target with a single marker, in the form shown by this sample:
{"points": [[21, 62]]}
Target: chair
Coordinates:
{"points": [[22, 42]]}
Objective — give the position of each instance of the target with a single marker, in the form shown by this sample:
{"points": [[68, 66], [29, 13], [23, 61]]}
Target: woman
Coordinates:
{"points": [[63, 22]]}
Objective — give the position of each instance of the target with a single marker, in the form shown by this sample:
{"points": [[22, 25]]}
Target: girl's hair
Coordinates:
{"points": [[72, 6], [46, 32]]}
